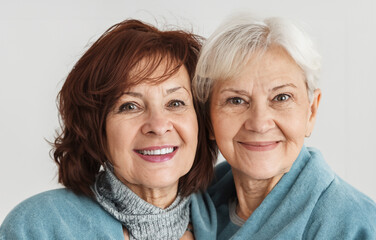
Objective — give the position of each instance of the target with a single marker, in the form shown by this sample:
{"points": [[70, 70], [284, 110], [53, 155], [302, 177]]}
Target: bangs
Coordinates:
{"points": [[231, 51], [153, 69]]}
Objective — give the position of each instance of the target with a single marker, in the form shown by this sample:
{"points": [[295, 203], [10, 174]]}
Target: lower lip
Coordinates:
{"points": [[158, 158], [260, 148]]}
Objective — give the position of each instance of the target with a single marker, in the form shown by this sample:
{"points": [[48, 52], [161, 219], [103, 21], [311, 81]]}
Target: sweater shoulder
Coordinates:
{"points": [[61, 201], [342, 207], [342, 196], [55, 212]]}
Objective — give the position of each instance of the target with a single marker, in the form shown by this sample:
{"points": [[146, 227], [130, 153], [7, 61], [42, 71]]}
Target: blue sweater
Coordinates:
{"points": [[60, 214], [309, 202]]}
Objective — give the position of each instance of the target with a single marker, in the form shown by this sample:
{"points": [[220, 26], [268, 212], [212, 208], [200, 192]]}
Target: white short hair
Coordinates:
{"points": [[239, 38]]}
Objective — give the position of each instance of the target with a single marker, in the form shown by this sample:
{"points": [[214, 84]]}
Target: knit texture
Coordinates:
{"points": [[60, 214], [310, 202], [142, 219]]}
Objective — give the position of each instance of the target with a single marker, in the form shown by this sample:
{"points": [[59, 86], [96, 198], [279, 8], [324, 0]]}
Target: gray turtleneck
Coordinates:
{"points": [[142, 219]]}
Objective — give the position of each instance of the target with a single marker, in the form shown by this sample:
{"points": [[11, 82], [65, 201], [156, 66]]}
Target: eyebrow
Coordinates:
{"points": [[243, 92], [139, 95], [283, 86], [133, 94], [235, 91], [171, 90]]}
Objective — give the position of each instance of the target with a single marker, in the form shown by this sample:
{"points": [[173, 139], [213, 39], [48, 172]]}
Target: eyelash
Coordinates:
{"points": [[239, 101], [170, 103], [233, 99], [125, 107], [282, 95], [122, 108]]}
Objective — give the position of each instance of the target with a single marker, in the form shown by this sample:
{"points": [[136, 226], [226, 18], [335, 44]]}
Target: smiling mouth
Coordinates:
{"points": [[157, 152], [260, 146]]}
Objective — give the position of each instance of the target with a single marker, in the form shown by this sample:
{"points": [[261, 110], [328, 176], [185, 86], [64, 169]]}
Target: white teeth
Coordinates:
{"points": [[162, 151]]}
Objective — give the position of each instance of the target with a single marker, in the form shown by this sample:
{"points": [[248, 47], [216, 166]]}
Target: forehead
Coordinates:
{"points": [[270, 67], [155, 70], [164, 78], [274, 56]]}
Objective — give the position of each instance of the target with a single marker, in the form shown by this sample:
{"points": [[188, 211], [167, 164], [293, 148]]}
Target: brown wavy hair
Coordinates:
{"points": [[97, 81]]}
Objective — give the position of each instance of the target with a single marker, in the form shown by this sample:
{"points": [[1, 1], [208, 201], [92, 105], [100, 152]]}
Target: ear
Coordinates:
{"points": [[313, 112]]}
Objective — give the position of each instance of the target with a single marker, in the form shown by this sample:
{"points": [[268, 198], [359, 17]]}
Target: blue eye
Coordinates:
{"points": [[175, 103], [235, 101], [128, 107], [281, 97]]}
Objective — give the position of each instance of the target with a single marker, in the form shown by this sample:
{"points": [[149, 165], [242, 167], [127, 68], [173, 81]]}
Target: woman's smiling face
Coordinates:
{"points": [[261, 117], [152, 132]]}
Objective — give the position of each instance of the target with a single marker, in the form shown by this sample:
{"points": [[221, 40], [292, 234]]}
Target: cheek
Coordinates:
{"points": [[190, 125], [225, 127], [119, 138], [218, 127], [293, 124], [186, 126]]}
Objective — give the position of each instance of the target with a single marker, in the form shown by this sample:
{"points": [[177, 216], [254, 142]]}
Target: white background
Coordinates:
{"points": [[41, 40]]}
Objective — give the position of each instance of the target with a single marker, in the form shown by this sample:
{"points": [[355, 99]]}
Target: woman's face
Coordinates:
{"points": [[152, 132], [261, 117]]}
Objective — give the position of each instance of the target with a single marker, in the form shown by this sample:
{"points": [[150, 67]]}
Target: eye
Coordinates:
{"points": [[175, 103], [235, 101], [128, 107], [281, 97]]}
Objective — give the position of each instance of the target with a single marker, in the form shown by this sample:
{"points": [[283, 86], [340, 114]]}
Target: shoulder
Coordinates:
{"points": [[343, 208], [59, 201], [347, 201], [56, 212]]}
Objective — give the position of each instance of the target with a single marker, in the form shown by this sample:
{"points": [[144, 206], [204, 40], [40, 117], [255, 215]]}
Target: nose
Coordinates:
{"points": [[259, 119], [157, 123]]}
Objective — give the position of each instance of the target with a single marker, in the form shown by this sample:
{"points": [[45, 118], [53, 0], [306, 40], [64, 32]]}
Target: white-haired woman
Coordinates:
{"points": [[258, 82]]}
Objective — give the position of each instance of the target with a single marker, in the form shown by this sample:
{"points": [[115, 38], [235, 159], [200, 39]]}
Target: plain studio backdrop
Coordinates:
{"points": [[40, 41]]}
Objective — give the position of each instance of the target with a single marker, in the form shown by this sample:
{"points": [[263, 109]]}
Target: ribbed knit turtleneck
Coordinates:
{"points": [[142, 219]]}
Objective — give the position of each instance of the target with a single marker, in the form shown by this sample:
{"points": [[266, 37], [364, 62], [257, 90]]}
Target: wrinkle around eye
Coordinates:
{"points": [[235, 102], [287, 96], [181, 104], [129, 107]]}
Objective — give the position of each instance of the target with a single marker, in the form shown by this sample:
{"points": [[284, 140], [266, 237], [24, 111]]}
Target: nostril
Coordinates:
{"points": [[157, 127], [259, 125]]}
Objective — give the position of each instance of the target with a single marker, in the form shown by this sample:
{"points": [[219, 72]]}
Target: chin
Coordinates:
{"points": [[263, 172], [163, 181]]}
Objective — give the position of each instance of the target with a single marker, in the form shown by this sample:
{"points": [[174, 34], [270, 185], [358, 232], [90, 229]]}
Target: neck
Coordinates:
{"points": [[159, 197], [251, 192]]}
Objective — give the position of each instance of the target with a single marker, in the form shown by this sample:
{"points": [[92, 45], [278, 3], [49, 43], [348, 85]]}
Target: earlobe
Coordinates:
{"points": [[313, 110]]}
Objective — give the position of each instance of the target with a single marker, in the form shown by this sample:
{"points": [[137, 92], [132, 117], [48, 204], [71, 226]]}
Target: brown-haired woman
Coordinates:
{"points": [[132, 148]]}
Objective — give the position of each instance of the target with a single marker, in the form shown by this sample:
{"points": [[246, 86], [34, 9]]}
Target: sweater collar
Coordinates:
{"points": [[142, 219]]}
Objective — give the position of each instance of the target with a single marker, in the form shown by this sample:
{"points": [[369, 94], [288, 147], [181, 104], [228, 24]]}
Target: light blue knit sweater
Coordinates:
{"points": [[309, 202], [60, 214]]}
